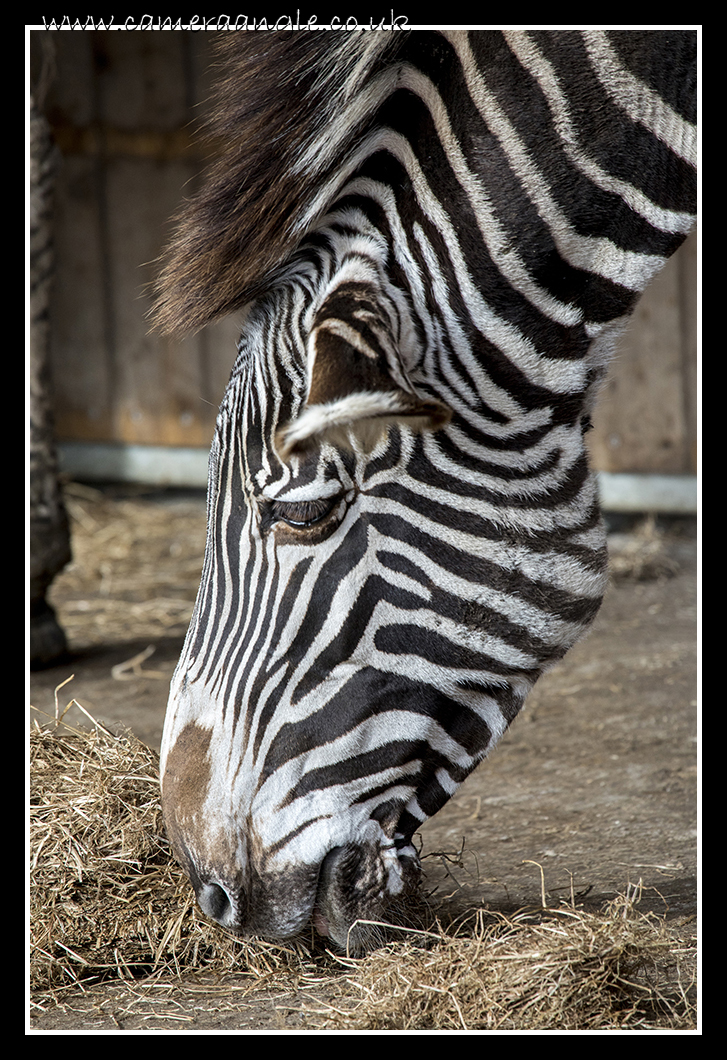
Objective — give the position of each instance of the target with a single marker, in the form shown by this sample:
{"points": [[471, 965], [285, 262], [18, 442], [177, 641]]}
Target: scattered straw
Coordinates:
{"points": [[642, 555], [564, 970], [135, 569], [109, 903]]}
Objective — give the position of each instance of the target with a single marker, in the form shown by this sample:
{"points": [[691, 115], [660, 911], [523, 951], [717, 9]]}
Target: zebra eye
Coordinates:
{"points": [[302, 514]]}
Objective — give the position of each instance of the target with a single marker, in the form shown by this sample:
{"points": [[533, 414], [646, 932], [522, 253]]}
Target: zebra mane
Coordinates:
{"points": [[275, 108]]}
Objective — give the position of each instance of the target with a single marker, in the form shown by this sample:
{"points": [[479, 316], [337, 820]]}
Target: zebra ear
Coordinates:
{"points": [[361, 415], [352, 395]]}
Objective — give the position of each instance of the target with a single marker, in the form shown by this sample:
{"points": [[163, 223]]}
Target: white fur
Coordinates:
{"points": [[353, 411]]}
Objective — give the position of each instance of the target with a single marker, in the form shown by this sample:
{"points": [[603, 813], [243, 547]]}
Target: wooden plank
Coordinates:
{"points": [[689, 265], [142, 79], [642, 420], [81, 368], [122, 178]]}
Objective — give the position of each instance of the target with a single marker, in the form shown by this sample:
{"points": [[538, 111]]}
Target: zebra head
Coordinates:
{"points": [[403, 532], [368, 623]]}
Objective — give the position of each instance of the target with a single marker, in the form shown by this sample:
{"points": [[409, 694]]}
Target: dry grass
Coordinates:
{"points": [[135, 567], [642, 555], [108, 903], [562, 969]]}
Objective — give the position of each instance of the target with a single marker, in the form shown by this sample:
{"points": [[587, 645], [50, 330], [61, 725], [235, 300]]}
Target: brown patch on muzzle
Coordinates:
{"points": [[185, 783]]}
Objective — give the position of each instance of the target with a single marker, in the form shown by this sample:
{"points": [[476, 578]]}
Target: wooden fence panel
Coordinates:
{"points": [[646, 417]]}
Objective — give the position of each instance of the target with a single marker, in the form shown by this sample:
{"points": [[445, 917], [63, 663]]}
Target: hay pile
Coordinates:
{"points": [[135, 569], [107, 902]]}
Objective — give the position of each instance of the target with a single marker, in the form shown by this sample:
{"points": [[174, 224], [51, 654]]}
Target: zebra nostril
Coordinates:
{"points": [[215, 903]]}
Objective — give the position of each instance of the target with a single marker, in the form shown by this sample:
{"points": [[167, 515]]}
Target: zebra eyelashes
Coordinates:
{"points": [[301, 515]]}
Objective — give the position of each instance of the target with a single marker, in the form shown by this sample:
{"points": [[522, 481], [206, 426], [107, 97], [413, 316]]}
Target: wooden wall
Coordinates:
{"points": [[646, 418], [120, 107]]}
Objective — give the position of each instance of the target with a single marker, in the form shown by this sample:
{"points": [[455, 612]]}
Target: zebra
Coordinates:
{"points": [[436, 239]]}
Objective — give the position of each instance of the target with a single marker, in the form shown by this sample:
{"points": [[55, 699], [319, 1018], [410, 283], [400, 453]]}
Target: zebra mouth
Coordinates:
{"points": [[352, 895], [320, 921], [324, 910]]}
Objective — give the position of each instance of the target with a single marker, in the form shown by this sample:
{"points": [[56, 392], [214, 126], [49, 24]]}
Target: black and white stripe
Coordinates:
{"points": [[441, 237]]}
